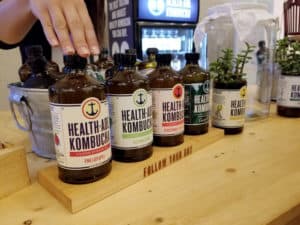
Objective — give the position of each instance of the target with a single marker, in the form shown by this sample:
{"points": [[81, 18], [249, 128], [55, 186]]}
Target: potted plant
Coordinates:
{"points": [[229, 90], [288, 93]]}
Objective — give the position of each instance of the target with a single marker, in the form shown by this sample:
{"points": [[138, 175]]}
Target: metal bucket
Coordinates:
{"points": [[33, 106]]}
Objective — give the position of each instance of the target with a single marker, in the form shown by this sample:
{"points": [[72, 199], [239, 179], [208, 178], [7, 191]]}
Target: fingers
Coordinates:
{"points": [[61, 30], [48, 29], [68, 24], [77, 30], [89, 31]]}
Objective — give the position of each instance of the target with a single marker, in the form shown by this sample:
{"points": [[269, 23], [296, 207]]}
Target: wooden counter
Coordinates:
{"points": [[249, 179]]}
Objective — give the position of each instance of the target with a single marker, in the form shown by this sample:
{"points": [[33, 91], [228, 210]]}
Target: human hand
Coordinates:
{"points": [[67, 24]]}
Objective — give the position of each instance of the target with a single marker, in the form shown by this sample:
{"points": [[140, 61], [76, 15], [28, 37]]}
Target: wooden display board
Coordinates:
{"points": [[78, 197], [13, 170]]}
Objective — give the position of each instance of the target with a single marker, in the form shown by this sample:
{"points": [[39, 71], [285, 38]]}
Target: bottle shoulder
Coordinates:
{"points": [[164, 77], [194, 73], [77, 81], [38, 80], [126, 82]]}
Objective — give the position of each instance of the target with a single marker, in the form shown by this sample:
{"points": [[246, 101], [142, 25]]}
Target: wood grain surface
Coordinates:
{"points": [[78, 197], [248, 179]]}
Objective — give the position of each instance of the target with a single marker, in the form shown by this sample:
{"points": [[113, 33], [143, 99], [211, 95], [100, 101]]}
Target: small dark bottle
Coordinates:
{"points": [[130, 51], [103, 63], [130, 102], [38, 78], [229, 106], [24, 72], [81, 127], [168, 103], [196, 102], [52, 69], [150, 64], [288, 95], [118, 66]]}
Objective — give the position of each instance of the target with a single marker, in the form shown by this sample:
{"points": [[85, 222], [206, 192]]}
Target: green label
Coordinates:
{"points": [[131, 123], [196, 107]]}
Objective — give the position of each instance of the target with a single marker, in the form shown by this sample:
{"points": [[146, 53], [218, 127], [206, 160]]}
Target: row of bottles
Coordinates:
{"points": [[94, 123], [122, 117]]}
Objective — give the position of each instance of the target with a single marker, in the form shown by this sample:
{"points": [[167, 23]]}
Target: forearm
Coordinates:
{"points": [[16, 20]]}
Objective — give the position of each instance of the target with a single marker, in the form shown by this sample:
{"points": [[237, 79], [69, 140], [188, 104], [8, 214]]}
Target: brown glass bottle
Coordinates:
{"points": [[168, 103], [150, 64], [80, 121], [239, 86], [52, 69], [38, 78], [196, 100], [118, 66], [24, 72], [131, 113], [288, 95], [103, 63]]}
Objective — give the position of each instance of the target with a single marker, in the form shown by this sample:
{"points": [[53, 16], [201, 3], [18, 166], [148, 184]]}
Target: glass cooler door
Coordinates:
{"points": [[175, 40]]}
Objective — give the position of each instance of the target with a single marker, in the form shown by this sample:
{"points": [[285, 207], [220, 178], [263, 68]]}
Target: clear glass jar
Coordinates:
{"points": [[223, 33]]}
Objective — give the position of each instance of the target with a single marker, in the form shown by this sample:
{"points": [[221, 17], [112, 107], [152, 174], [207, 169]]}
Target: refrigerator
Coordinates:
{"points": [[167, 25]]}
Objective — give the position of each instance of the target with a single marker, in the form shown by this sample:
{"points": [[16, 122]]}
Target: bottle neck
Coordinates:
{"points": [[119, 67], [129, 67], [103, 56], [152, 57], [37, 65], [191, 62], [73, 70], [163, 64]]}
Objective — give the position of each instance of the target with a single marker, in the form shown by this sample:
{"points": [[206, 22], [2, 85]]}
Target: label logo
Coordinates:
{"points": [[156, 7], [178, 91], [243, 92], [206, 86], [56, 139], [140, 97], [91, 108]]}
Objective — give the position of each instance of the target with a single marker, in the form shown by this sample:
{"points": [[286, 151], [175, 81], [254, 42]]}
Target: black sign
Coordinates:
{"points": [[120, 24]]}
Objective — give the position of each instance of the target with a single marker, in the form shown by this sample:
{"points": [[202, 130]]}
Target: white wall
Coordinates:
{"points": [[10, 61], [205, 4]]}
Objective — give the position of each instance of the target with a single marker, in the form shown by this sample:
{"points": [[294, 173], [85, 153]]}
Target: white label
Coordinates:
{"points": [[131, 119], [229, 107], [288, 93], [81, 133], [168, 111]]}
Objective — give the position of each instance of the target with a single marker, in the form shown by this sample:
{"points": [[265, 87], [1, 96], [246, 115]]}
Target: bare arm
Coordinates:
{"points": [[66, 23], [16, 20]]}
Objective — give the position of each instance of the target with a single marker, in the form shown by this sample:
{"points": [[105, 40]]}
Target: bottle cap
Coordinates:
{"points": [[34, 51], [131, 51], [129, 59], [192, 56], [164, 59], [150, 51], [118, 58], [75, 61], [104, 51]]}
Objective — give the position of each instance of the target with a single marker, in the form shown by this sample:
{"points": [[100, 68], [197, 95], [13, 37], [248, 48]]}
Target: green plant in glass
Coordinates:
{"points": [[229, 92], [229, 68], [288, 56]]}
